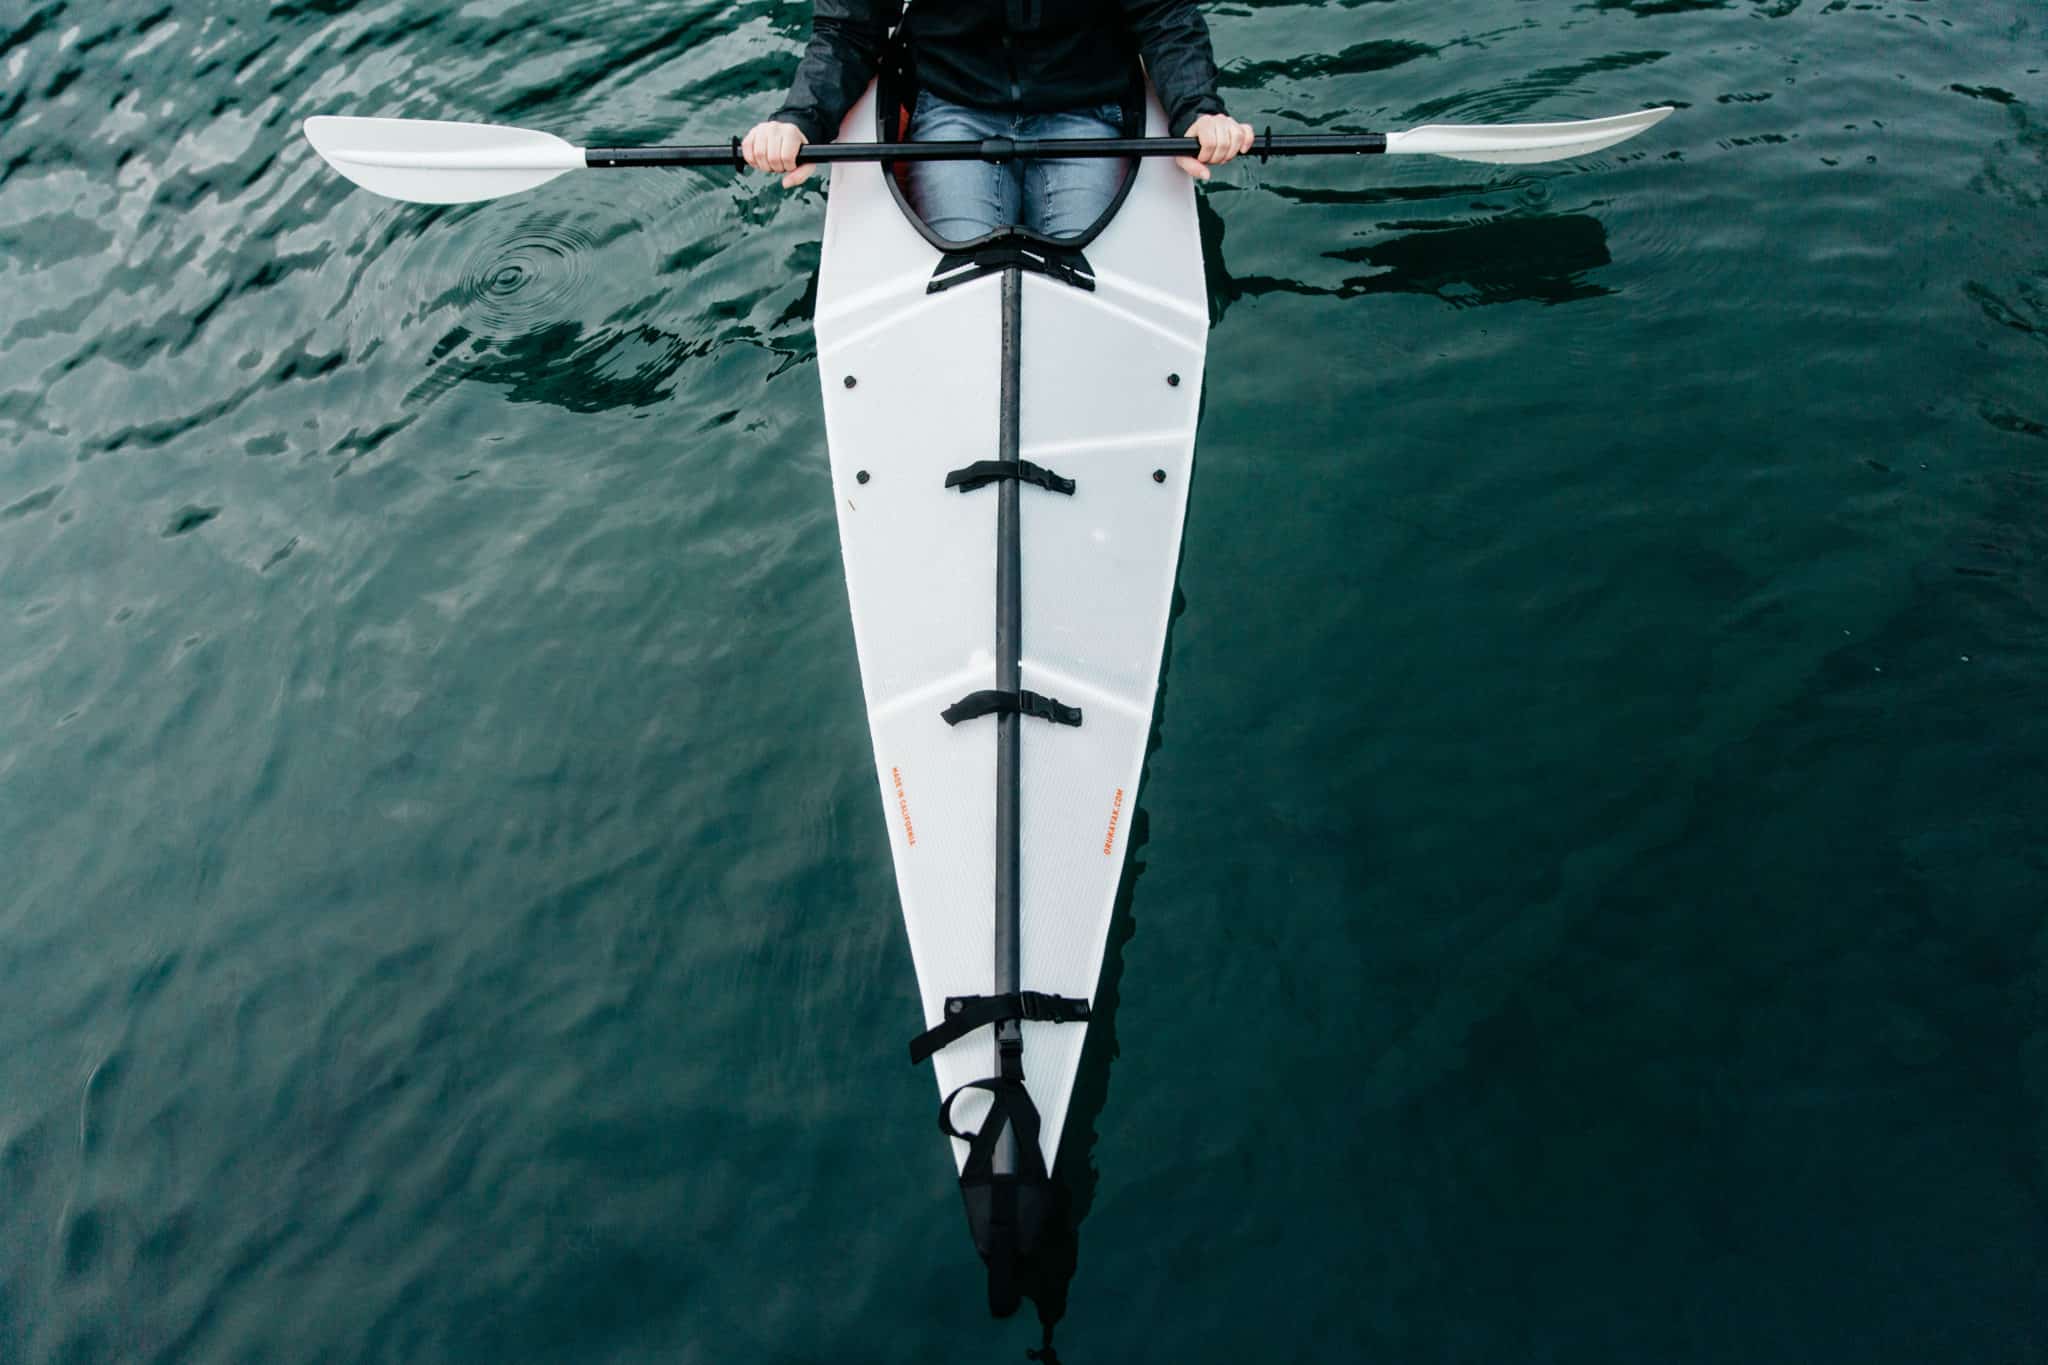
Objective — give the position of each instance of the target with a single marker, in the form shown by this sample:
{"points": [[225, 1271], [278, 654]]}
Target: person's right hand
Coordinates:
{"points": [[773, 147], [1222, 137]]}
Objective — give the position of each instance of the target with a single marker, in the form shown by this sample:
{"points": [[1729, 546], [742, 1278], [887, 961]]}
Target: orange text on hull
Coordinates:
{"points": [[903, 806], [1116, 812]]}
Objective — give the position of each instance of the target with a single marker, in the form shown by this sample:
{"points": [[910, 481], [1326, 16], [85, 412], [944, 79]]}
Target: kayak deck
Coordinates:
{"points": [[1109, 383]]}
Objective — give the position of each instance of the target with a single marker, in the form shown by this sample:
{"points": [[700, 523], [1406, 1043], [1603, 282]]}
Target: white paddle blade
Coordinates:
{"points": [[430, 162], [1520, 143]]}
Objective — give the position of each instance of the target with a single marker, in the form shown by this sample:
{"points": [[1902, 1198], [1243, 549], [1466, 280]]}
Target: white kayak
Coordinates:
{"points": [[1012, 429], [1108, 384]]}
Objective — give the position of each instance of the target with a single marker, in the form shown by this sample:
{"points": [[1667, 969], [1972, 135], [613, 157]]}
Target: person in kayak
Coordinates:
{"points": [[1007, 68]]}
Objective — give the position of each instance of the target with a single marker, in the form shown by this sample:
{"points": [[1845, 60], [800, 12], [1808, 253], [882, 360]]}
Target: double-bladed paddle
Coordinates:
{"points": [[428, 161]]}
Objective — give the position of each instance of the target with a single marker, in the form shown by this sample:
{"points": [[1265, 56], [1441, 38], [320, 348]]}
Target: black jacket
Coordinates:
{"points": [[1034, 56]]}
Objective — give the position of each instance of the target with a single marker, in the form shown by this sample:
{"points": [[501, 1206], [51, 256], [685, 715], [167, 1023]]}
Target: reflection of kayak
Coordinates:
{"points": [[911, 350]]}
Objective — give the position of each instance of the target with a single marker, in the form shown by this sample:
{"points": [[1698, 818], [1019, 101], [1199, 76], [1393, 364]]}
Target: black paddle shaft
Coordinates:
{"points": [[991, 149]]}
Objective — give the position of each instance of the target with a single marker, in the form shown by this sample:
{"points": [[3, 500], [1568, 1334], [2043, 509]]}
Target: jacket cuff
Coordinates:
{"points": [[807, 120], [1187, 111]]}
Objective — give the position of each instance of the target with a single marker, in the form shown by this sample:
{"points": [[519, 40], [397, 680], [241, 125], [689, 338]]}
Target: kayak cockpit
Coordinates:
{"points": [[896, 95]]}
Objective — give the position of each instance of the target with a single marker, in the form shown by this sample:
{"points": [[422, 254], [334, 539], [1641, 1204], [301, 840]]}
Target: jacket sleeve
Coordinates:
{"points": [[1174, 41], [847, 39]]}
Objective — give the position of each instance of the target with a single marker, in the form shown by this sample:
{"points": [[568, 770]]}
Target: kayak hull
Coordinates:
{"points": [[1109, 382]]}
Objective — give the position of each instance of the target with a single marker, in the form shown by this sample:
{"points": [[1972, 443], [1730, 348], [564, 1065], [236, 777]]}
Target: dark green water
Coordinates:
{"points": [[1591, 898]]}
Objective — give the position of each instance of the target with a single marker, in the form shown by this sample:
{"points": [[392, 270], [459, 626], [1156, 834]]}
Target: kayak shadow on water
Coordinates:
{"points": [[1539, 258], [1536, 259], [1075, 1177], [1520, 257]]}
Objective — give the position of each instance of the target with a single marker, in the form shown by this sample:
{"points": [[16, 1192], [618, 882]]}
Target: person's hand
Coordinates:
{"points": [[1222, 137], [773, 147]]}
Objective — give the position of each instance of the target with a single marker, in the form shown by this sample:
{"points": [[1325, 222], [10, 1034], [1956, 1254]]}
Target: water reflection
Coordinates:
{"points": [[1074, 1175], [1525, 258], [1540, 260]]}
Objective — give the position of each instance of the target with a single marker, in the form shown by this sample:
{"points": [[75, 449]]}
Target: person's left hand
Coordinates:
{"points": [[1222, 137]]}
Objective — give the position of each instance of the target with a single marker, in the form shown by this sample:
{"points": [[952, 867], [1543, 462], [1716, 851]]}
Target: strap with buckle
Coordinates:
{"points": [[990, 702], [966, 1013], [982, 473]]}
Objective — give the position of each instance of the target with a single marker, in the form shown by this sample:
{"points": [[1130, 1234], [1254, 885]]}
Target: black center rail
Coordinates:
{"points": [[1004, 1177], [991, 149], [1009, 933], [1005, 1180]]}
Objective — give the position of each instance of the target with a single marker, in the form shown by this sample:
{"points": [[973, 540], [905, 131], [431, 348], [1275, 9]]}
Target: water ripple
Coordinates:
{"points": [[531, 278], [450, 899]]}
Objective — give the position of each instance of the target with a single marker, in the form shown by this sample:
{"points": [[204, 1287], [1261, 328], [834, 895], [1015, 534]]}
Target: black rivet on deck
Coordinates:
{"points": [[861, 477], [1173, 380], [851, 381], [1159, 476]]}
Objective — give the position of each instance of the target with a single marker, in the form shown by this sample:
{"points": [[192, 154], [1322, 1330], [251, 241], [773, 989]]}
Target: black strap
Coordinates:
{"points": [[966, 1013], [990, 702], [982, 473], [993, 257], [1009, 1103], [1005, 1213]]}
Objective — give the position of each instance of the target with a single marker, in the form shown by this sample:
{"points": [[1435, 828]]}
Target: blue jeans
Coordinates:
{"points": [[964, 199]]}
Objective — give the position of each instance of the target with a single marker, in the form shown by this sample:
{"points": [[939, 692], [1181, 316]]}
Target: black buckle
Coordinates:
{"points": [[984, 472], [1038, 1007]]}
